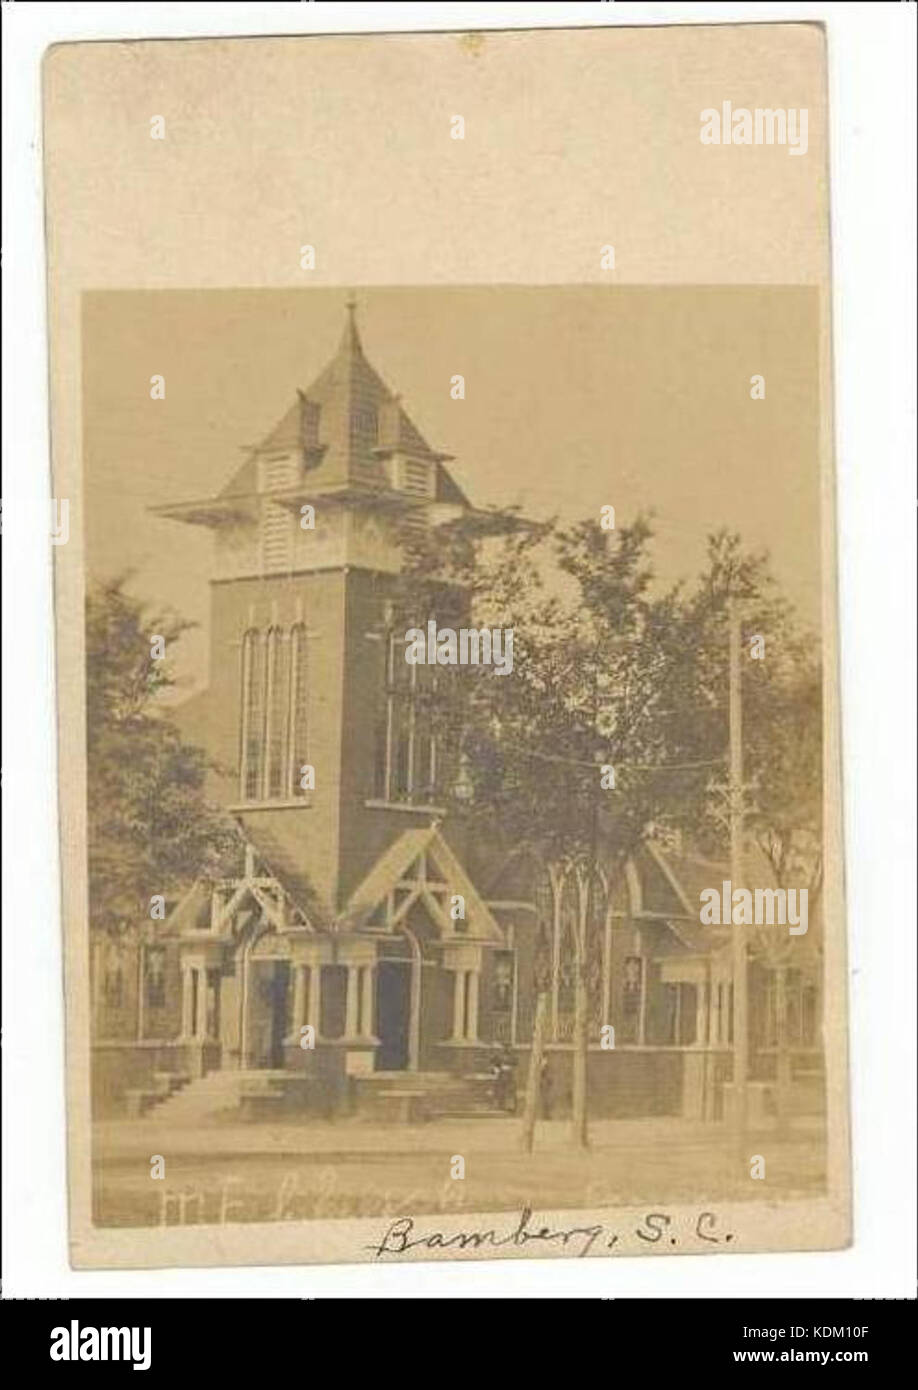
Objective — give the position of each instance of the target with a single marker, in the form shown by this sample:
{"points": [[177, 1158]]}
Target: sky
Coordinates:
{"points": [[576, 397]]}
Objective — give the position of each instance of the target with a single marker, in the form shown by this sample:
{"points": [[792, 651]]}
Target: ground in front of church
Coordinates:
{"points": [[322, 1170]]}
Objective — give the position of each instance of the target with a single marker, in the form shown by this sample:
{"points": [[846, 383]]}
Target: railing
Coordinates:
{"points": [[565, 1030]]}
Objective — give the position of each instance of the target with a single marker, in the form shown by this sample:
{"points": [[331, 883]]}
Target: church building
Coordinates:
{"points": [[332, 974]]}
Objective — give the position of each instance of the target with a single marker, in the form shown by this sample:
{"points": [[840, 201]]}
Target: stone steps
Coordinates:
{"points": [[212, 1094], [386, 1097]]}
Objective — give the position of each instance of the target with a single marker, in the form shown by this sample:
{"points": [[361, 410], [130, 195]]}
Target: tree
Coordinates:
{"points": [[151, 829], [609, 673], [595, 688]]}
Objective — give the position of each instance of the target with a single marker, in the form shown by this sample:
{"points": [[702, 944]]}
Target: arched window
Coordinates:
{"points": [[275, 691], [155, 976], [406, 752], [253, 715], [580, 928], [277, 705], [299, 695]]}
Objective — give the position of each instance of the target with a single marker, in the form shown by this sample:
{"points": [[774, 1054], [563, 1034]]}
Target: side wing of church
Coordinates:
{"points": [[334, 973]]}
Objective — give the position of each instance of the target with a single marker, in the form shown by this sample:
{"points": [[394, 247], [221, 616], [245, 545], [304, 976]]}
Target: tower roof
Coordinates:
{"points": [[346, 425]]}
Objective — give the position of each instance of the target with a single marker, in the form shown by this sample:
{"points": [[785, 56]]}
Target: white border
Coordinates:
{"points": [[872, 96]]}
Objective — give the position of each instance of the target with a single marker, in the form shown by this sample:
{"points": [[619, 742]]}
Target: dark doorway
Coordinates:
{"points": [[275, 986], [393, 1014]]}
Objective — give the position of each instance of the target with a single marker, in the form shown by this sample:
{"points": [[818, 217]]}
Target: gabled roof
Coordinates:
{"points": [[262, 886], [420, 866], [278, 845]]}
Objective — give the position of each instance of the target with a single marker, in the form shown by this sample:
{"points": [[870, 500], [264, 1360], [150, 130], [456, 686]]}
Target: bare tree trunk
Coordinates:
{"points": [[534, 1077], [579, 1133]]}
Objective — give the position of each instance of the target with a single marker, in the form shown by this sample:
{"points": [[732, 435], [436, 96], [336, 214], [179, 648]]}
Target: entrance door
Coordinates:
{"points": [[393, 1014], [271, 1016]]}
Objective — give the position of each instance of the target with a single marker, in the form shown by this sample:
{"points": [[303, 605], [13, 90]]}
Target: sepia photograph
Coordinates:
{"points": [[460, 675], [454, 803]]}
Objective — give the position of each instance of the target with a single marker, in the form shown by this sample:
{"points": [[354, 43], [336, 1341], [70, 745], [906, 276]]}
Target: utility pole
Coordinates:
{"points": [[580, 1136], [542, 982], [740, 958]]}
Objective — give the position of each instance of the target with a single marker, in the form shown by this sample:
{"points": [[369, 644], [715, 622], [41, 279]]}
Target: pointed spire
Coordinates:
{"points": [[350, 339]]}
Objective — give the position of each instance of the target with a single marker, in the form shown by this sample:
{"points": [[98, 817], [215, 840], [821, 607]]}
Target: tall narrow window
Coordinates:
{"points": [[401, 689], [155, 976], [381, 741], [299, 694], [253, 714], [632, 985], [278, 698], [405, 759], [424, 760], [113, 987]]}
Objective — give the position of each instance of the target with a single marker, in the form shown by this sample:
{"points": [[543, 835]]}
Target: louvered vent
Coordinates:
{"points": [[417, 478], [276, 537], [278, 473]]}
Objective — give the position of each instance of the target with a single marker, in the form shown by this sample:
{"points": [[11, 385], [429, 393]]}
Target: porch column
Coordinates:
{"points": [[642, 1000], [353, 1003], [314, 1006], [718, 1013], [200, 999], [472, 1020], [299, 999], [459, 1006], [414, 1023], [366, 1011], [245, 1010], [187, 1020], [701, 1013]]}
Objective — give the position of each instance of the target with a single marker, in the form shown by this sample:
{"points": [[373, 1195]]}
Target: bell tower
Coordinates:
{"points": [[315, 724]]}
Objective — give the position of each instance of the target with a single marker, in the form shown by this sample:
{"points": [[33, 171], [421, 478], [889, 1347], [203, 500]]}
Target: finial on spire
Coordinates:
{"points": [[351, 336]]}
